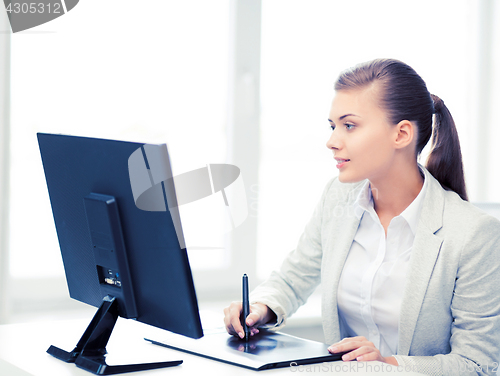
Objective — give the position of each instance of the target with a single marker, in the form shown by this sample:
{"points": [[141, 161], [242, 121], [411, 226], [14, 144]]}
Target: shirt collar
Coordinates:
{"points": [[364, 202]]}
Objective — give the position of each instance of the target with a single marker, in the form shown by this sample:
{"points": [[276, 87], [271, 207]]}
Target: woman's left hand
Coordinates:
{"points": [[362, 350]]}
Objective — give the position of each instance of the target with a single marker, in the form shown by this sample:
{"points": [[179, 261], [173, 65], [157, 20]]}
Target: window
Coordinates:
{"points": [[154, 72]]}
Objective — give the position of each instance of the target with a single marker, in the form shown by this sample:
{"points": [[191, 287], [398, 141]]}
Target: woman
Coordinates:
{"points": [[409, 269]]}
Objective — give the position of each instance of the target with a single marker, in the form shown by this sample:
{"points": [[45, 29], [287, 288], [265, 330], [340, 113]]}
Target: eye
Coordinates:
{"points": [[349, 126], [332, 126]]}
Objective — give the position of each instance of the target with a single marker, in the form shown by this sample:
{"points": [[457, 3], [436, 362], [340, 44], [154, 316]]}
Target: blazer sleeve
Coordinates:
{"points": [[475, 309], [289, 287]]}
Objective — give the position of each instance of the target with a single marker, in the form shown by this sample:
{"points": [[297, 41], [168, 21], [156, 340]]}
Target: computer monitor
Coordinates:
{"points": [[119, 231]]}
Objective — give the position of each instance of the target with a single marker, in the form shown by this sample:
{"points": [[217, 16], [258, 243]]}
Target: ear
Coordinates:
{"points": [[405, 132]]}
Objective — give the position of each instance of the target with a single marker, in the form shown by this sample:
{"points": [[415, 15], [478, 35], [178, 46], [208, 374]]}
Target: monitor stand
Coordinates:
{"points": [[89, 354]]}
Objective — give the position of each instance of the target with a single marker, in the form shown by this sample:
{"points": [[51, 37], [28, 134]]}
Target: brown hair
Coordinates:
{"points": [[404, 96]]}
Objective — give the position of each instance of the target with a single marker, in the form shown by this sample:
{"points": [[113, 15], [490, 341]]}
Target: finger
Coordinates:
{"points": [[237, 327], [345, 346], [229, 328], [351, 339], [339, 346], [227, 320], [354, 354], [253, 319], [364, 353], [356, 338], [370, 356], [234, 320]]}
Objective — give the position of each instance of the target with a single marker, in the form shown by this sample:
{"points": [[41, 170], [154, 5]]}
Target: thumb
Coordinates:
{"points": [[253, 319]]}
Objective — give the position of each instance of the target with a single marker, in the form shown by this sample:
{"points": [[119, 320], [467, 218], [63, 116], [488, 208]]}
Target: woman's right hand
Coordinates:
{"points": [[260, 314]]}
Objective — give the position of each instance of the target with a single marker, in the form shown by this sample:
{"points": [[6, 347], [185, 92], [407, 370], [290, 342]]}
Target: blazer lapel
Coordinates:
{"points": [[425, 251], [342, 230]]}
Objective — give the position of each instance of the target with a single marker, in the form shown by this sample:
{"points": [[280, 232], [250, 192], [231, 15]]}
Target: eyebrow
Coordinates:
{"points": [[344, 116]]}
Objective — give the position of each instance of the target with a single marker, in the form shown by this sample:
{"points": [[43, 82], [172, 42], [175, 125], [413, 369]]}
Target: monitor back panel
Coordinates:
{"points": [[162, 281]]}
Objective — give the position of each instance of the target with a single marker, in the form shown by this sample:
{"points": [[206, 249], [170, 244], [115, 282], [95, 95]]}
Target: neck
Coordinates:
{"points": [[397, 190]]}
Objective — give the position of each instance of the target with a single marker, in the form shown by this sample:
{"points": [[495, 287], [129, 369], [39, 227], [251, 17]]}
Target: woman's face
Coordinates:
{"points": [[362, 140]]}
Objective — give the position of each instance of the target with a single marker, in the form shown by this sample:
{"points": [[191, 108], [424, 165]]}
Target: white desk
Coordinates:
{"points": [[23, 353]]}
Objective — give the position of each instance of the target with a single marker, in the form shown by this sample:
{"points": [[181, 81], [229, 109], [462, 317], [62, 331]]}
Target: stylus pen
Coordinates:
{"points": [[246, 307]]}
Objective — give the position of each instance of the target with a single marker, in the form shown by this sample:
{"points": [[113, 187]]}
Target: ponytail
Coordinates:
{"points": [[404, 96], [445, 159]]}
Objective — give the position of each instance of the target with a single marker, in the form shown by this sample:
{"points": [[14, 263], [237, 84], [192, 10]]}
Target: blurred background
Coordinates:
{"points": [[246, 82]]}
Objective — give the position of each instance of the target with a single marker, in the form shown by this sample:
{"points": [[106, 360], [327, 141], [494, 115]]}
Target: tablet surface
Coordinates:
{"points": [[265, 350]]}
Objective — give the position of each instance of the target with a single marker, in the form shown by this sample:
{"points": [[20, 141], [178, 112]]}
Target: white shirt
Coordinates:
{"points": [[372, 281]]}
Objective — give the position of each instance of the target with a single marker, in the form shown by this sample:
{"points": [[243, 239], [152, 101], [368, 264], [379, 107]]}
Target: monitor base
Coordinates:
{"points": [[89, 354]]}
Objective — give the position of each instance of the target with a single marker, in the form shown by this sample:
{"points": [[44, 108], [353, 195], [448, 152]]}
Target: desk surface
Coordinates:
{"points": [[23, 353]]}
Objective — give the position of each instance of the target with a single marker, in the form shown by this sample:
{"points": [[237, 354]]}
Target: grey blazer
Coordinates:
{"points": [[450, 312]]}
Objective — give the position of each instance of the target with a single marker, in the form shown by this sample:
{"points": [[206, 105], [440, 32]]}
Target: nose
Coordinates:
{"points": [[333, 142]]}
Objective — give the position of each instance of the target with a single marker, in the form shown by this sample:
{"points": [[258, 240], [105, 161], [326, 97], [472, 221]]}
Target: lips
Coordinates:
{"points": [[341, 162]]}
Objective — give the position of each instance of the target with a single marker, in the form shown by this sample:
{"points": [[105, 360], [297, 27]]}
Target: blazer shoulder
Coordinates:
{"points": [[464, 213], [469, 223]]}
